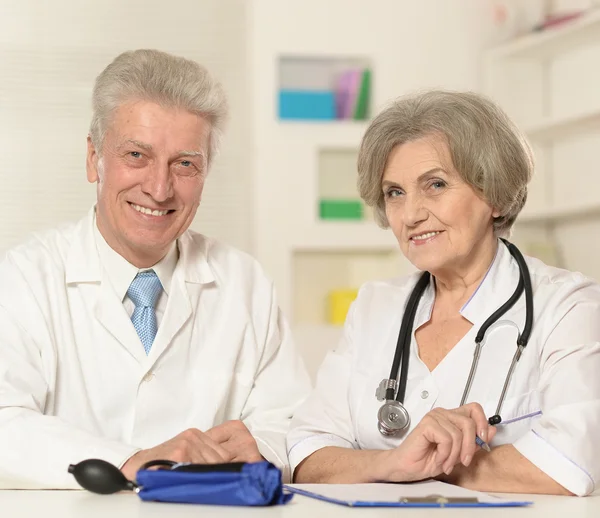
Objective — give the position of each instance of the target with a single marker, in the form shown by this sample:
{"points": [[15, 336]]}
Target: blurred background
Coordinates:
{"points": [[303, 78]]}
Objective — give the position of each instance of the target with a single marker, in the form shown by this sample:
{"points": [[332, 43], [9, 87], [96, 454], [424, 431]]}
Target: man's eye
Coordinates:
{"points": [[135, 154], [186, 163]]}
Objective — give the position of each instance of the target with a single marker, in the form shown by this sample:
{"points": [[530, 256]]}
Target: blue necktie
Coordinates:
{"points": [[144, 291]]}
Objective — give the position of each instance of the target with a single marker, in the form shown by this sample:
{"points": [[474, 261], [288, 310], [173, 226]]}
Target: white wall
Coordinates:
{"points": [[50, 53]]}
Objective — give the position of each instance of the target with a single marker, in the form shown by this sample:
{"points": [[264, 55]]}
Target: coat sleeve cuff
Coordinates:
{"points": [[555, 463], [270, 454]]}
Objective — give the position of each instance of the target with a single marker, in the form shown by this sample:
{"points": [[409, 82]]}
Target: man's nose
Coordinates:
{"points": [[159, 183]]}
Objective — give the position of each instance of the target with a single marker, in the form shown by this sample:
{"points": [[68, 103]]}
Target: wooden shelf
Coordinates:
{"points": [[560, 214], [344, 235], [558, 127], [550, 42]]}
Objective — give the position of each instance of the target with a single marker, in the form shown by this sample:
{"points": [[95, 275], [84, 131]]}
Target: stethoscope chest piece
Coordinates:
{"points": [[392, 418]]}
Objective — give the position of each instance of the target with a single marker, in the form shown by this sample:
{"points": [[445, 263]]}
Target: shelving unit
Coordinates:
{"points": [[306, 256], [561, 214], [338, 199], [324, 133], [318, 273], [326, 88], [560, 127], [548, 82], [329, 234], [343, 235], [551, 42]]}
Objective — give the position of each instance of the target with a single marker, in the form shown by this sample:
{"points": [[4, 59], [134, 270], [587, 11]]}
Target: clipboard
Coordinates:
{"points": [[428, 493]]}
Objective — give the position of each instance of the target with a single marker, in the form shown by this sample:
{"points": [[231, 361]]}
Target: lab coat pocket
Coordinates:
{"points": [[518, 412], [235, 388]]}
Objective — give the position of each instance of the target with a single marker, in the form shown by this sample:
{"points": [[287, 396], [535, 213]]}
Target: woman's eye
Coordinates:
{"points": [[438, 184], [393, 193]]}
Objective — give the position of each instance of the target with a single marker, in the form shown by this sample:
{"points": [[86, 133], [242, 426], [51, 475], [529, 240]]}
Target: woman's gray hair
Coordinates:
{"points": [[168, 80], [486, 148]]}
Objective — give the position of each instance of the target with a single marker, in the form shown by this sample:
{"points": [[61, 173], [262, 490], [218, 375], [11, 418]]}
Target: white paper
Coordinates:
{"points": [[380, 493]]}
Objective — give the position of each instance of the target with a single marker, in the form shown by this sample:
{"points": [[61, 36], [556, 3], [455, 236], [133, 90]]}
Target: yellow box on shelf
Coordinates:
{"points": [[339, 303]]}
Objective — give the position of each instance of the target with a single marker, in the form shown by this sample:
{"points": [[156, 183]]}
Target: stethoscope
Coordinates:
{"points": [[393, 418]]}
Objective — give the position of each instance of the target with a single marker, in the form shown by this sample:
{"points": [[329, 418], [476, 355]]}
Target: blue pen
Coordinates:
{"points": [[484, 445]]}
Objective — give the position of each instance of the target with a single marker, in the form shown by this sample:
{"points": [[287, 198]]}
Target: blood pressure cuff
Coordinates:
{"points": [[252, 484]]}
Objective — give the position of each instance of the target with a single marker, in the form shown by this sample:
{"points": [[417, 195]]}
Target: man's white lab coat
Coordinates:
{"points": [[75, 382]]}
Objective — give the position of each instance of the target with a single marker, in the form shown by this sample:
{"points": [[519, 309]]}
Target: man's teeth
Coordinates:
{"points": [[424, 236], [150, 212]]}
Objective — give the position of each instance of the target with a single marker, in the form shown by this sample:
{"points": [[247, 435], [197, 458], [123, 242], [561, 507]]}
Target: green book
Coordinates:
{"points": [[364, 93], [340, 209]]}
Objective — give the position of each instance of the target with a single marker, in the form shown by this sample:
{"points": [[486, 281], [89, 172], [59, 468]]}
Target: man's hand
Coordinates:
{"points": [[443, 439], [192, 445], [236, 439]]}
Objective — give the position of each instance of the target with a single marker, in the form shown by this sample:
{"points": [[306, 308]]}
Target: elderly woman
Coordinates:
{"points": [[448, 173]]}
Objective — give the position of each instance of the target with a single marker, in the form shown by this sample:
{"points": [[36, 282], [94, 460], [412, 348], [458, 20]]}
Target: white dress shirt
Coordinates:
{"points": [[552, 408], [76, 383], [120, 273]]}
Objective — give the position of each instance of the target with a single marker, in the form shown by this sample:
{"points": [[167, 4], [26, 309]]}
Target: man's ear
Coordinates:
{"points": [[91, 162]]}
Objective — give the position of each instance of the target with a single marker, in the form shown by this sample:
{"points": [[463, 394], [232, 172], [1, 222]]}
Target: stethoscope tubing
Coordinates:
{"points": [[402, 353]]}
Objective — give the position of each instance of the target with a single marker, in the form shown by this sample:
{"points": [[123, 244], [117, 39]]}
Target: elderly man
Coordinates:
{"points": [[126, 336]]}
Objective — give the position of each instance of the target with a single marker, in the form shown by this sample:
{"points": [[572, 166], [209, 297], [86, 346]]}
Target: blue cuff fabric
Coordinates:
{"points": [[255, 484]]}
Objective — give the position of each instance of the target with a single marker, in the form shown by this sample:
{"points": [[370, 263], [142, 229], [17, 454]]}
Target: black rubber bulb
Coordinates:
{"points": [[99, 476]]}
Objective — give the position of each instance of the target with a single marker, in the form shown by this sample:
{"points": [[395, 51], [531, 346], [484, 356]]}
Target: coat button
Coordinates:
{"points": [[424, 394], [148, 377]]}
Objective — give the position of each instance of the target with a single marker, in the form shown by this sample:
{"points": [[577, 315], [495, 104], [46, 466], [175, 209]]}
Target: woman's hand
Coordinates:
{"points": [[443, 439]]}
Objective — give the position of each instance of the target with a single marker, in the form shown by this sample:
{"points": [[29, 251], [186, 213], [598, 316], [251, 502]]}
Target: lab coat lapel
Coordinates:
{"points": [[192, 269], [497, 286], [83, 266], [111, 313], [177, 313]]}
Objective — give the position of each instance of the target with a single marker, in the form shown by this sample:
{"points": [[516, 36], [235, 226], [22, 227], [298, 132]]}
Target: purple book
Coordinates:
{"points": [[341, 94], [353, 86]]}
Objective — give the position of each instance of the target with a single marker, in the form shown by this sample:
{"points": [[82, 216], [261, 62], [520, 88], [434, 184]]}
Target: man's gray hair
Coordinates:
{"points": [[486, 148], [170, 81]]}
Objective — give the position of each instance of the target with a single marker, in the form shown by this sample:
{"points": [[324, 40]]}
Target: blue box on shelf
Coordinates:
{"points": [[306, 104]]}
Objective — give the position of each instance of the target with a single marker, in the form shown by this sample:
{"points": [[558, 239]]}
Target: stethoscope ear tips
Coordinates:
{"points": [[99, 476], [494, 420]]}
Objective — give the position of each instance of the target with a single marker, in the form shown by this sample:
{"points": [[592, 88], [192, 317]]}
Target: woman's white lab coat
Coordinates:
{"points": [[552, 410], [76, 383]]}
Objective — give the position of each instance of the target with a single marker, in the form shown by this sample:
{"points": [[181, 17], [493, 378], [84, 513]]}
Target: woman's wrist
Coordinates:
{"points": [[381, 466]]}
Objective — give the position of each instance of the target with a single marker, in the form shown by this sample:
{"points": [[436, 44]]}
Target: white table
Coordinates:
{"points": [[81, 504]]}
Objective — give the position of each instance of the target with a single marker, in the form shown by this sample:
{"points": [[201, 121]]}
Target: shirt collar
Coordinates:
{"points": [[194, 258], [497, 285], [83, 264], [121, 272]]}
